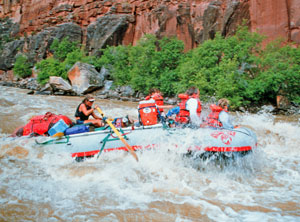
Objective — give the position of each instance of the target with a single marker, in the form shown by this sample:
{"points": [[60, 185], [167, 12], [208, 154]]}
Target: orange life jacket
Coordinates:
{"points": [[159, 100], [148, 112], [213, 118], [184, 115], [39, 125]]}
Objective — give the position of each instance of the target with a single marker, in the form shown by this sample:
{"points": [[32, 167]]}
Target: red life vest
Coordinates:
{"points": [[39, 125], [148, 112], [184, 115], [159, 100], [213, 118]]}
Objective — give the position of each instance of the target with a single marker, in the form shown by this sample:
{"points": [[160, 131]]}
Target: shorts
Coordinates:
{"points": [[78, 121]]}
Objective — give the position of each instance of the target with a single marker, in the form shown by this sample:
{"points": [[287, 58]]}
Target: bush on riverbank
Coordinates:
{"points": [[278, 74], [22, 67], [236, 67], [65, 55], [222, 67], [151, 63]]}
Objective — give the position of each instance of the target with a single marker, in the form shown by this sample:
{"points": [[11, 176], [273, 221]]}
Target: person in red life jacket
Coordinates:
{"points": [[219, 117], [85, 110], [159, 100], [189, 108]]}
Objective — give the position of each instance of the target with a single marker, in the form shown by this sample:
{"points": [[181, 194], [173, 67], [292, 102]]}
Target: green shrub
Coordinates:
{"points": [[22, 67], [236, 67], [63, 48], [222, 67], [116, 59], [66, 54], [151, 63], [279, 73], [49, 67]]}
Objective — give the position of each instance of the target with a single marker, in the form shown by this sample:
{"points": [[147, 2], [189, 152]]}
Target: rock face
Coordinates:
{"points": [[107, 30], [37, 47], [9, 53], [98, 23], [191, 20], [276, 18]]}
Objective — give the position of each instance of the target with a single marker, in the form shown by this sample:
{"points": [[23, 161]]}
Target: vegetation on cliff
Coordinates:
{"points": [[236, 67], [22, 67]]}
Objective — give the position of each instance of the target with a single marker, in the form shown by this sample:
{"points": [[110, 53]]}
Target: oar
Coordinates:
{"points": [[130, 149]]}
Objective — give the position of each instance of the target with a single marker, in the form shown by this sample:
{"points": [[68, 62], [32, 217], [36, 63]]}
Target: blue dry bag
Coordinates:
{"points": [[77, 129]]}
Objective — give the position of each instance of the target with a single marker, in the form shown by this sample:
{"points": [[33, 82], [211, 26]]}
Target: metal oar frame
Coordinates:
{"points": [[108, 139], [55, 141]]}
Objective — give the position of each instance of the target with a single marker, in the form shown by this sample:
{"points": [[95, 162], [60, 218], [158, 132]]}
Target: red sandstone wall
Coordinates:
{"points": [[274, 18]]}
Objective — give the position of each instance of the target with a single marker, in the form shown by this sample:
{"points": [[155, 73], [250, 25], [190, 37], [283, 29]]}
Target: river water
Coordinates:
{"points": [[38, 184]]}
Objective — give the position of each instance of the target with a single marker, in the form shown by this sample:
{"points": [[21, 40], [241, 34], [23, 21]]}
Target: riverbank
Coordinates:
{"points": [[126, 93]]}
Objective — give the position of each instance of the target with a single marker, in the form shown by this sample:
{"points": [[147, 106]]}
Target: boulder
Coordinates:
{"points": [[32, 84], [8, 76], [107, 86], [45, 90], [113, 94], [59, 84], [104, 72], [282, 102], [126, 91], [84, 78]]}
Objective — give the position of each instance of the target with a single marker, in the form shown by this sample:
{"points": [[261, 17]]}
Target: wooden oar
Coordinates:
{"points": [[130, 149]]}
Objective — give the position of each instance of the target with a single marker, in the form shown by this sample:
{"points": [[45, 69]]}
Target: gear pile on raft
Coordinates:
{"points": [[213, 136]]}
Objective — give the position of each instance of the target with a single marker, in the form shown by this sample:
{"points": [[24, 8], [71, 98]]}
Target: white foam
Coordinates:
{"points": [[263, 186]]}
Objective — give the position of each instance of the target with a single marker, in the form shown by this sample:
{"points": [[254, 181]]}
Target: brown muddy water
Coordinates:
{"points": [[37, 184]]}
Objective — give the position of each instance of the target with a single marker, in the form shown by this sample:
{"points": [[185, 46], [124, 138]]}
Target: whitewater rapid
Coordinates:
{"points": [[43, 185]]}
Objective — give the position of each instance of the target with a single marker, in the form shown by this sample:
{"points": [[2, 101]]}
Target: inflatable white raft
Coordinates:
{"points": [[203, 140]]}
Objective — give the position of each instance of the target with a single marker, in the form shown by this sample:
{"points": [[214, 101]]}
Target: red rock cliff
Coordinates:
{"points": [[276, 19], [192, 21]]}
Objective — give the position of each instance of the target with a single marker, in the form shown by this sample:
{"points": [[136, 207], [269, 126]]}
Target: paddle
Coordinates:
{"points": [[129, 148]]}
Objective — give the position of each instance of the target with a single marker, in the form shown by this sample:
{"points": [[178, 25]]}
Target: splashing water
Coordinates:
{"points": [[45, 185]]}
